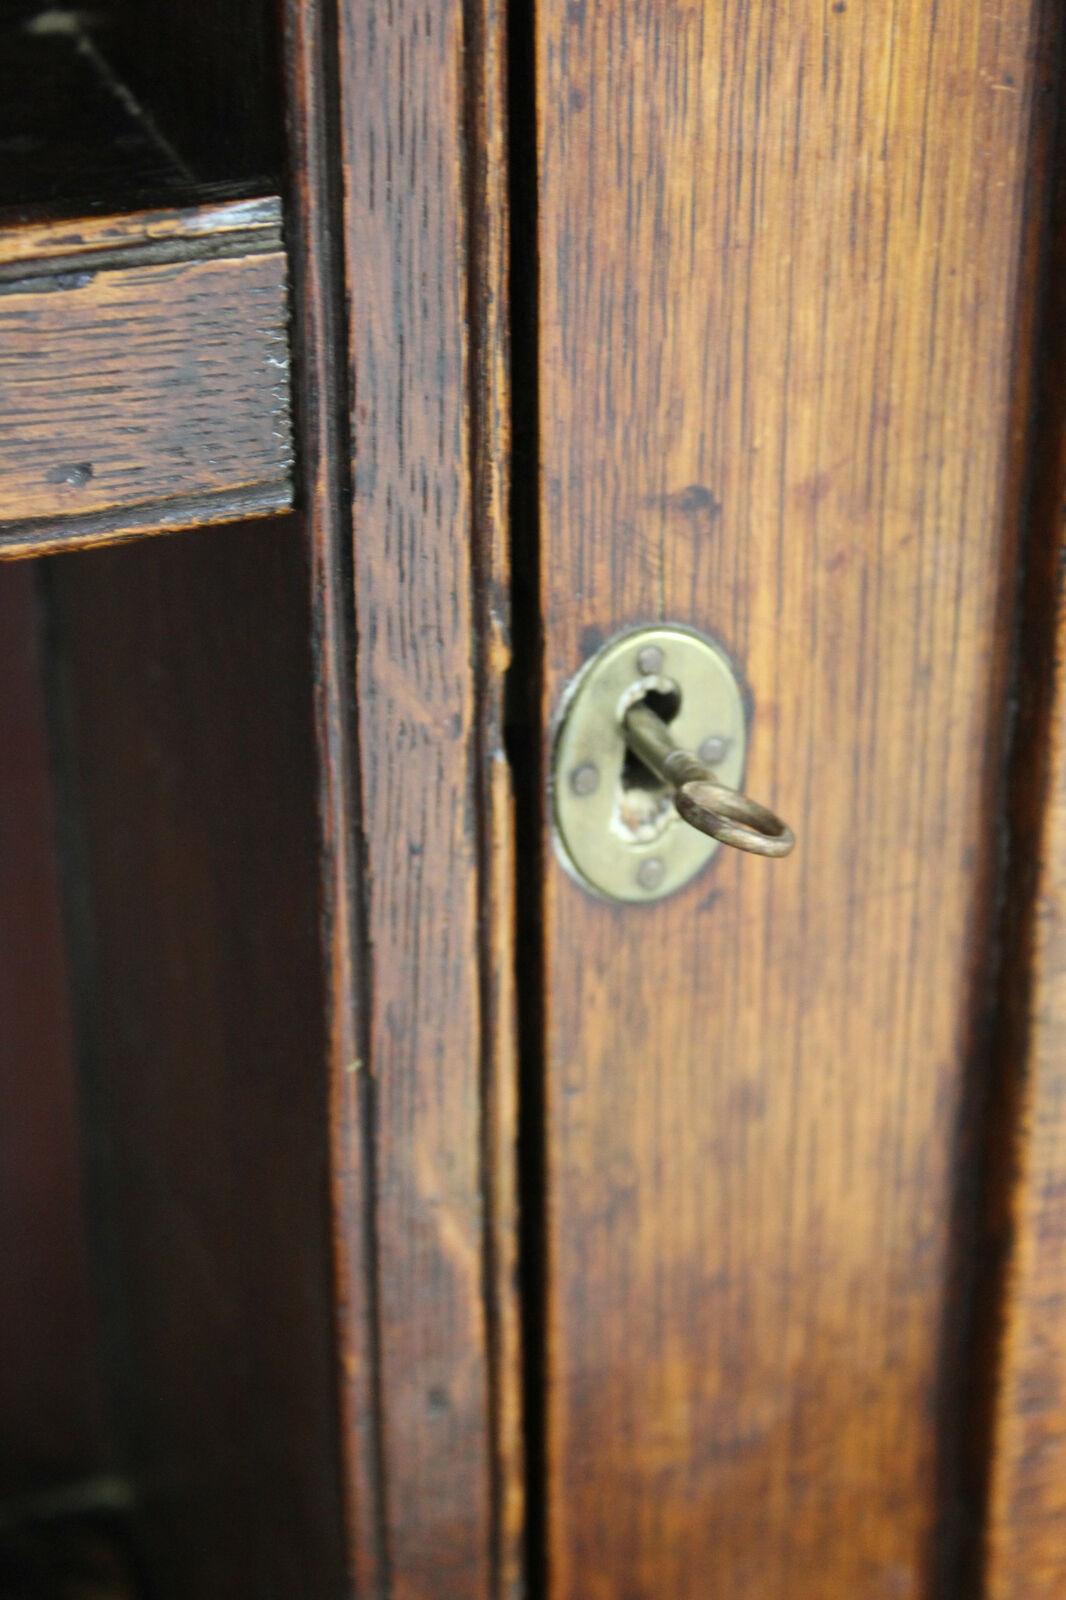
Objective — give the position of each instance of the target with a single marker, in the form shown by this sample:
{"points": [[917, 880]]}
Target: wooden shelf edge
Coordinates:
{"points": [[49, 535], [144, 375], [197, 232], [210, 221]]}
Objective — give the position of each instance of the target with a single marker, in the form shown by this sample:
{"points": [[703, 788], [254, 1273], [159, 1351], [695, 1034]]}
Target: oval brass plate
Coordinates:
{"points": [[616, 827]]}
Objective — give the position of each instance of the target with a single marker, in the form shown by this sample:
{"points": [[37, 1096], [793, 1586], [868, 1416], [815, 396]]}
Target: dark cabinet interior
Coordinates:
{"points": [[167, 1408], [137, 103], [167, 1329]]}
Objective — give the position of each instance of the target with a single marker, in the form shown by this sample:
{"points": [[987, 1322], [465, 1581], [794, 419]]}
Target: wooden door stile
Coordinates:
{"points": [[400, 210], [782, 252]]}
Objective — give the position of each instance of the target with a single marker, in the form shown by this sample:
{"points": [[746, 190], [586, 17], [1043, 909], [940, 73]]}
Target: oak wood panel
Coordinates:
{"points": [[778, 254], [424, 229], [321, 423], [141, 396], [184, 703], [51, 1416], [1025, 1544]]}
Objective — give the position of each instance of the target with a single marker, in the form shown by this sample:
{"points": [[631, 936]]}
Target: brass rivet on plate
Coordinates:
{"points": [[650, 873], [585, 779], [714, 749]]}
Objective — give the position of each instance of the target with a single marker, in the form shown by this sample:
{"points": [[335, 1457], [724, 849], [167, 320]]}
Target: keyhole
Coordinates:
{"points": [[666, 703], [644, 804]]}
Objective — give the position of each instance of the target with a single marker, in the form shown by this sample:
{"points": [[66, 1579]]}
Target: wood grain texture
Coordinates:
{"points": [[1027, 1514], [779, 255], [424, 231], [231, 227], [1025, 1544], [140, 396], [183, 699], [489, 314], [322, 424]]}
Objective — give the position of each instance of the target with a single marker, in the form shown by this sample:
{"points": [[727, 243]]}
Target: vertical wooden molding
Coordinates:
{"points": [[403, 413], [1025, 1288], [1025, 1550], [488, 304], [323, 428]]}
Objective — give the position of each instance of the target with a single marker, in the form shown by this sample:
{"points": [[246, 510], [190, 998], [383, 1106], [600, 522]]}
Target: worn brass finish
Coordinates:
{"points": [[636, 815], [617, 828], [701, 800]]}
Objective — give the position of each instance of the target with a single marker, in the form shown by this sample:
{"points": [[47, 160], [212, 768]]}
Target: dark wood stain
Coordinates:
{"points": [[320, 397], [783, 265], [32, 244], [424, 222], [183, 687], [135, 238], [130, 388], [1024, 1445], [1025, 1548], [51, 1410], [97, 530]]}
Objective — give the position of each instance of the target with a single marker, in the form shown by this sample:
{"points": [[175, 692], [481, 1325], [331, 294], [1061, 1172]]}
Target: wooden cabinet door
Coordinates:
{"points": [[707, 1248], [787, 268], [781, 368]]}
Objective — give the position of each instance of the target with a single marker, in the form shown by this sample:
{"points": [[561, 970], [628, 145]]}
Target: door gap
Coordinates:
{"points": [[525, 749]]}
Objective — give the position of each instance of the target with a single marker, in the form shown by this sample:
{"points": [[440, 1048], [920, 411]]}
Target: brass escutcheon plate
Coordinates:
{"points": [[616, 829]]}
